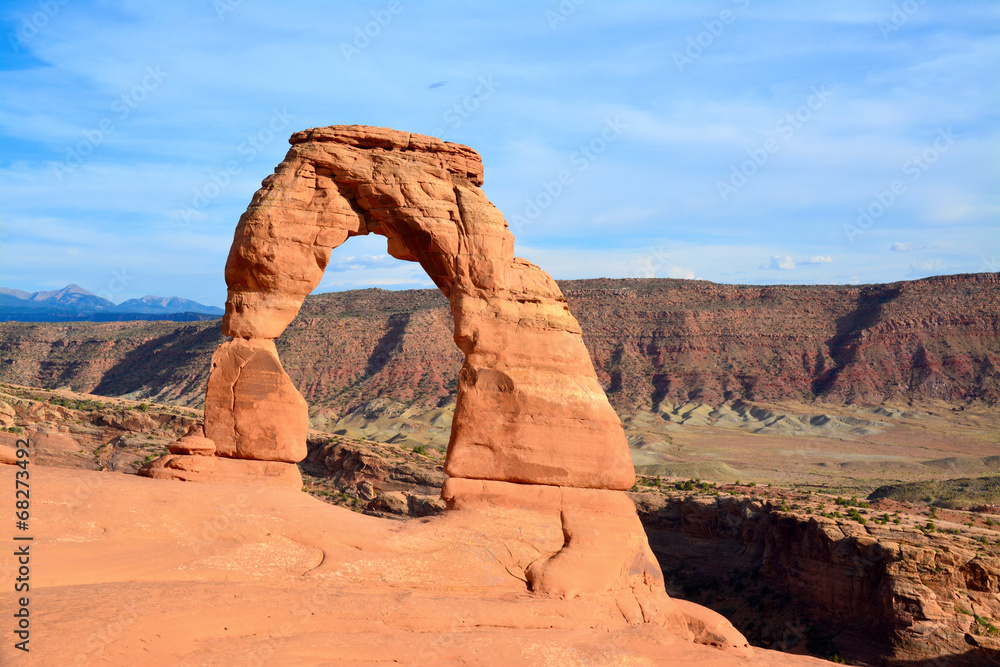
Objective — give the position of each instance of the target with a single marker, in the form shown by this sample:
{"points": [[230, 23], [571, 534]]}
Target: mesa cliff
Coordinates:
{"points": [[651, 340]]}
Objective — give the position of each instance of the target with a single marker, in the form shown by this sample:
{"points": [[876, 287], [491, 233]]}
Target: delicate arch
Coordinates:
{"points": [[530, 408]]}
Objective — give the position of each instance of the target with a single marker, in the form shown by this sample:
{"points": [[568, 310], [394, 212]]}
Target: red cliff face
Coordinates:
{"points": [[651, 340], [680, 341], [887, 594]]}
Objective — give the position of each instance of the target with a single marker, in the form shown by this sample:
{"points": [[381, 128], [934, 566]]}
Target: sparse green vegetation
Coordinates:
{"points": [[85, 404], [987, 627], [853, 502], [959, 493]]}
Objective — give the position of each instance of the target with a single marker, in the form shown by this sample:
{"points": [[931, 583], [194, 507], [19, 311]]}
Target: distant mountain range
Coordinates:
{"points": [[73, 303]]}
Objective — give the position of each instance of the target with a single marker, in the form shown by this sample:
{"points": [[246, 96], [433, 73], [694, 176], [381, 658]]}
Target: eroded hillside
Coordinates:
{"points": [[654, 342]]}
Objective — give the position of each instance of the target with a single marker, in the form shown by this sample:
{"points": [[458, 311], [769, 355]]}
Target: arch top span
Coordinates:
{"points": [[419, 192], [529, 408]]}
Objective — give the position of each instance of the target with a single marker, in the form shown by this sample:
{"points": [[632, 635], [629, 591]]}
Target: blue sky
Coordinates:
{"points": [[737, 141]]}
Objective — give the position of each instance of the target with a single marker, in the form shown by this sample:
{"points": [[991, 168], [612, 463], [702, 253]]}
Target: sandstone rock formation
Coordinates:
{"points": [[222, 470], [252, 410], [193, 443], [530, 408], [533, 431], [8, 455]]}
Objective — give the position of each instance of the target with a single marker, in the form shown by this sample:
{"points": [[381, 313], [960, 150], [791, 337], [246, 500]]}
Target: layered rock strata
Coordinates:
{"points": [[879, 594]]}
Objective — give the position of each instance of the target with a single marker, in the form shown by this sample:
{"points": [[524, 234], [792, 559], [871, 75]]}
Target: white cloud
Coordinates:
{"points": [[678, 272], [930, 266], [820, 259], [341, 262], [779, 263], [901, 247]]}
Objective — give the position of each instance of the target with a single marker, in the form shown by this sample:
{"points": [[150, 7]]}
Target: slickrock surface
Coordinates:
{"points": [[794, 570], [748, 556], [138, 571]]}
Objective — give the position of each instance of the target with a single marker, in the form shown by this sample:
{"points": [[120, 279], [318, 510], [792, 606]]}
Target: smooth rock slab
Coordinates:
{"points": [[218, 470], [204, 574]]}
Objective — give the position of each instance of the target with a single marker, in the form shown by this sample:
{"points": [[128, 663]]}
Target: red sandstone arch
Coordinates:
{"points": [[530, 408], [533, 437]]}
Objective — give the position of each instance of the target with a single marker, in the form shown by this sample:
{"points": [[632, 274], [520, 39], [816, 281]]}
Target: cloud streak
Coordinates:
{"points": [[654, 187]]}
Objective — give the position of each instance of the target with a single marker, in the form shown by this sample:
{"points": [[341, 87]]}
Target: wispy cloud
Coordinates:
{"points": [[654, 187], [779, 263], [928, 267]]}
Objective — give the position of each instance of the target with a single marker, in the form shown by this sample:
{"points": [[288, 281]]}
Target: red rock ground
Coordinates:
{"points": [[131, 571]]}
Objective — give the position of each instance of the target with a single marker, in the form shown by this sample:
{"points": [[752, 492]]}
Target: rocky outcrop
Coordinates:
{"points": [[91, 432], [350, 463], [221, 470], [878, 594], [193, 443]]}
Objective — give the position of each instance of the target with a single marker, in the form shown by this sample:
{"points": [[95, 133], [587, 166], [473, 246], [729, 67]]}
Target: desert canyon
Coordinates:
{"points": [[543, 547]]}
